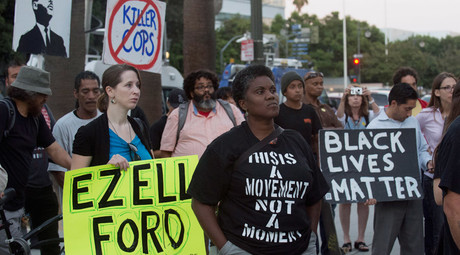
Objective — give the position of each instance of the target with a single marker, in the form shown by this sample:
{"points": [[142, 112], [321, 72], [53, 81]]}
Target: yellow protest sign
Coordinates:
{"points": [[144, 210]]}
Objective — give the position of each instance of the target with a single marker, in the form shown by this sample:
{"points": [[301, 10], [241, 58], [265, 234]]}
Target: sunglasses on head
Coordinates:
{"points": [[133, 152], [314, 75]]}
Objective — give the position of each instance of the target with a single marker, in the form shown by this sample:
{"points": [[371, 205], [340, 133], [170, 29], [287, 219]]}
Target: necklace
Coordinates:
{"points": [[114, 129]]}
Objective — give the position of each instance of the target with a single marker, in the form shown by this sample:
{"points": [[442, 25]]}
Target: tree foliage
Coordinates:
{"points": [[237, 25], [435, 56], [299, 4], [428, 55], [6, 31]]}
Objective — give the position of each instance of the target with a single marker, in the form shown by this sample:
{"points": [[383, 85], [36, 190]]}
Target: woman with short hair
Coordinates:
{"points": [[263, 181]]}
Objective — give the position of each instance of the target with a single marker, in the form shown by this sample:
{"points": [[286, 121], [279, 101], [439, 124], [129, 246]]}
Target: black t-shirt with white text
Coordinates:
{"points": [[304, 120], [16, 150], [263, 201]]}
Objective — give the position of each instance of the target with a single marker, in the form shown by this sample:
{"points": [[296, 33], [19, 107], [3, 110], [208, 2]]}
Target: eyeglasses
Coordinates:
{"points": [[314, 75], [133, 152], [448, 88], [201, 87]]}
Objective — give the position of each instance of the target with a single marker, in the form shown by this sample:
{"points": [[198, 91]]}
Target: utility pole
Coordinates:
{"points": [[256, 31], [359, 54], [345, 67]]}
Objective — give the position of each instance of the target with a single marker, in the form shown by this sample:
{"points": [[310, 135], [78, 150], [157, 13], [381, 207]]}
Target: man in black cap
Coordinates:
{"points": [[294, 114], [175, 98], [28, 93]]}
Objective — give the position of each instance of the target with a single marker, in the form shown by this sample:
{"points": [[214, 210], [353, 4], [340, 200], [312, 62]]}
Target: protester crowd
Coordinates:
{"points": [[227, 128]]}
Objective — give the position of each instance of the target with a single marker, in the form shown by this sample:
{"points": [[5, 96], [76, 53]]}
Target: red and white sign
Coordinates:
{"points": [[247, 50], [134, 33]]}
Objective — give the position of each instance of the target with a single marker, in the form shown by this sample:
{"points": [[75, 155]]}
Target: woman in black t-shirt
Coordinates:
{"points": [[268, 193]]}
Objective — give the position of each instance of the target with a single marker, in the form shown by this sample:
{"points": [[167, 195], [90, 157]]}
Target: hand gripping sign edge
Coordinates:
{"points": [[111, 48]]}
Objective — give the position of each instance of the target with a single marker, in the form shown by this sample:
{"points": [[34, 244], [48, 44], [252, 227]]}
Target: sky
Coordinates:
{"points": [[411, 15]]}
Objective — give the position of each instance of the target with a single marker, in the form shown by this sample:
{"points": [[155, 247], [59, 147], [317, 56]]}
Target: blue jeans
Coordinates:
{"points": [[433, 217]]}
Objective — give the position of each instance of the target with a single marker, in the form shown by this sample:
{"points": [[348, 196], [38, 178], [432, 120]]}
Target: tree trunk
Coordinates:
{"points": [[63, 70], [199, 44]]}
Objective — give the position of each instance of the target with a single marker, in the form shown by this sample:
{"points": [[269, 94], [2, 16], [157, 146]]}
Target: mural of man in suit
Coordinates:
{"points": [[41, 39]]}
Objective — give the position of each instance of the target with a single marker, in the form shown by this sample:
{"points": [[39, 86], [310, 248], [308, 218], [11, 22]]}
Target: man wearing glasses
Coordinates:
{"points": [[193, 125]]}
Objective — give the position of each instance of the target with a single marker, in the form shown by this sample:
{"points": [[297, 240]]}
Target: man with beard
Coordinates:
{"points": [[205, 119], [41, 39], [40, 200], [28, 94]]}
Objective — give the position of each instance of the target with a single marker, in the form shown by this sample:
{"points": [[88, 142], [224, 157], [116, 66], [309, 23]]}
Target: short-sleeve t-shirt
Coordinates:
{"points": [[16, 150], [447, 168], [304, 120], [263, 201]]}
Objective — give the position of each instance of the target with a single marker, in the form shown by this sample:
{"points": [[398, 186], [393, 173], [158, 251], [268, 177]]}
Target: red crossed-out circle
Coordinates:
{"points": [[115, 52]]}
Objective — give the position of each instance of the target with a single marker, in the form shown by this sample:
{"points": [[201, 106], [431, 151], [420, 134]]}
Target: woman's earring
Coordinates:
{"points": [[113, 101], [246, 114]]}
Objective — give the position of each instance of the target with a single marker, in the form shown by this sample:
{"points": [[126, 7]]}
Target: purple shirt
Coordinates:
{"points": [[431, 124]]}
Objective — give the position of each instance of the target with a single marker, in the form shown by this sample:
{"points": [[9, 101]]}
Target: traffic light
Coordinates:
{"points": [[357, 67], [354, 78]]}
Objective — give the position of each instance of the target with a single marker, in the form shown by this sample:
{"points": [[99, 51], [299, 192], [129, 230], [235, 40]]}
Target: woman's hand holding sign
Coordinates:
{"points": [[119, 161]]}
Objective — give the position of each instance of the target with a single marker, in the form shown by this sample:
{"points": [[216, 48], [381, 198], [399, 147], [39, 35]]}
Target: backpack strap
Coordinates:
{"points": [[143, 128], [346, 119], [366, 117], [228, 110], [11, 116], [183, 109]]}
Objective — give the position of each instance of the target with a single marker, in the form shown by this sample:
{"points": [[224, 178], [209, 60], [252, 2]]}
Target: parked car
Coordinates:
{"points": [[380, 96], [334, 99]]}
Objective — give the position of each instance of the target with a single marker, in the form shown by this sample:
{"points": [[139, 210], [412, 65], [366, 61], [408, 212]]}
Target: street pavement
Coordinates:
{"points": [[354, 231]]}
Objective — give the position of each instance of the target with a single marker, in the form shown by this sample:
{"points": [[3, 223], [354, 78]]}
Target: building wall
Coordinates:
{"points": [[270, 8]]}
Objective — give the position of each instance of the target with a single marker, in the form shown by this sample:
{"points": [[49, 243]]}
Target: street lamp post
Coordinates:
{"points": [[223, 49]]}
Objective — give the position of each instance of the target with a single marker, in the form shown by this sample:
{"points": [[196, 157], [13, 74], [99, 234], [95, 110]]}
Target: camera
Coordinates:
{"points": [[356, 91]]}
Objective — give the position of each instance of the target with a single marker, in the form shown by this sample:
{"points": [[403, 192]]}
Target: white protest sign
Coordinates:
{"points": [[31, 18], [134, 32], [247, 50]]}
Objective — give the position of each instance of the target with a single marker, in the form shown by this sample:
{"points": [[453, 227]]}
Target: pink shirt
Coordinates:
{"points": [[198, 131], [431, 124]]}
